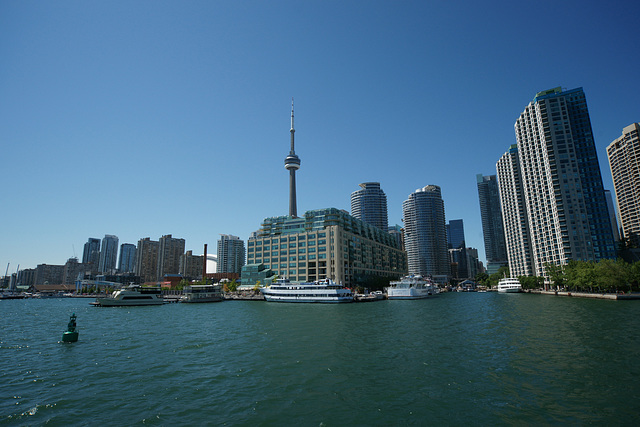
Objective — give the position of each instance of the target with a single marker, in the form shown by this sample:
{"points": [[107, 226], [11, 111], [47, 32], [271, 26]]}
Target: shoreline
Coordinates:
{"points": [[615, 297]]}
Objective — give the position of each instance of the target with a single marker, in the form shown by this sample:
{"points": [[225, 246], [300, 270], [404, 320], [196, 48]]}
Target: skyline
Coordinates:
{"points": [[148, 118]]}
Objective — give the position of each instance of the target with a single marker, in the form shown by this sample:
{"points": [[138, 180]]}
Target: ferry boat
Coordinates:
{"points": [[324, 290], [412, 287], [130, 296], [509, 284], [202, 293]]}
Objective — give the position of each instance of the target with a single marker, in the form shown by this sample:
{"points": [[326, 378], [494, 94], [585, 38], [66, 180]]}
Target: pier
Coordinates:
{"points": [[595, 295]]}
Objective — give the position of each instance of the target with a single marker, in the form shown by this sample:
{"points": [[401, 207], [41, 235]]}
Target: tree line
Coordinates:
{"points": [[606, 275]]}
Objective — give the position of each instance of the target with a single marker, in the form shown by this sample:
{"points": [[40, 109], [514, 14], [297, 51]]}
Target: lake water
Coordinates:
{"points": [[459, 358]]}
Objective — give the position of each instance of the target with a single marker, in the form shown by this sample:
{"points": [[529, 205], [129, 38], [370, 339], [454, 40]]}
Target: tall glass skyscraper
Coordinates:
{"points": [[492, 229], [108, 254], [561, 182], [91, 254], [369, 204], [127, 258], [425, 233]]}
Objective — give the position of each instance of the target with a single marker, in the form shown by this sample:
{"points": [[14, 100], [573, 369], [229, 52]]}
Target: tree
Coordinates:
{"points": [[232, 286], [482, 279], [555, 274]]}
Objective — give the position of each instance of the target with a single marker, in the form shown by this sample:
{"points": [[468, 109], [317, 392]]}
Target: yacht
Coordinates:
{"points": [[509, 284], [130, 296], [202, 293], [324, 290], [411, 287]]}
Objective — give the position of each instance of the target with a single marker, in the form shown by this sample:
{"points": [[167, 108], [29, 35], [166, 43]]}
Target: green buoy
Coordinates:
{"points": [[71, 335]]}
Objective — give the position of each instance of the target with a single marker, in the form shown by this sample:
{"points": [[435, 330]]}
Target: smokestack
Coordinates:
{"points": [[204, 264]]}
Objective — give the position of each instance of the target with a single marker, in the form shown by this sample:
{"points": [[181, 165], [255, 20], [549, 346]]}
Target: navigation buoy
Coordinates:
{"points": [[71, 335]]}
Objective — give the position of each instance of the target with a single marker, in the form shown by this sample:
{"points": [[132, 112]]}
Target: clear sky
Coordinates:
{"points": [[146, 118]]}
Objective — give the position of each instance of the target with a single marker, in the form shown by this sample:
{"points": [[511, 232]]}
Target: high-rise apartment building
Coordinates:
{"points": [[624, 161], [91, 253], [108, 254], [425, 235], [561, 181], [191, 266], [369, 204], [514, 214], [127, 261], [169, 251], [327, 243], [147, 260], [457, 247], [492, 229], [231, 254]]}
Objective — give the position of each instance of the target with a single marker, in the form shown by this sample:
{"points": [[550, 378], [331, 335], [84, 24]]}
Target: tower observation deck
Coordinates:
{"points": [[292, 164]]}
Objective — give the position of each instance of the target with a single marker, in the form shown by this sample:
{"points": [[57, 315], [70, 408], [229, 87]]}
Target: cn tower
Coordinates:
{"points": [[292, 164]]}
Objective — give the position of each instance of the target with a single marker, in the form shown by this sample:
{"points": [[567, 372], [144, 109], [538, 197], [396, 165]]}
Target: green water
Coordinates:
{"points": [[457, 359]]}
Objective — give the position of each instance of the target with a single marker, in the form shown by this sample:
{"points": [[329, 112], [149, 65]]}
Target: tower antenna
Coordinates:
{"points": [[292, 164]]}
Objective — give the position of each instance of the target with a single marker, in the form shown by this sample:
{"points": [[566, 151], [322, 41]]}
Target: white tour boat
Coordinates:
{"points": [[202, 293], [324, 290], [130, 296], [412, 287], [509, 284]]}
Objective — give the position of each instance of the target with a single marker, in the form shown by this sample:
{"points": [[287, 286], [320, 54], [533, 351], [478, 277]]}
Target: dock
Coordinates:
{"points": [[594, 295]]}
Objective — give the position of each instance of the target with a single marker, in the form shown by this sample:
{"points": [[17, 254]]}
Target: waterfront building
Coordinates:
{"points": [[47, 274], [108, 254], [147, 259], [369, 204], [26, 277], [253, 274], [292, 164], [127, 258], [624, 161], [514, 214], [169, 251], [495, 246], [327, 243], [231, 254], [91, 253], [73, 269], [191, 266], [561, 182], [425, 235]]}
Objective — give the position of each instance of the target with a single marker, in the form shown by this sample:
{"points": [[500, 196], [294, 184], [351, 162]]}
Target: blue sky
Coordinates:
{"points": [[145, 118]]}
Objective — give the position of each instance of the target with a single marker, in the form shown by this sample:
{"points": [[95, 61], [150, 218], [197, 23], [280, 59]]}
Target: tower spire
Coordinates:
{"points": [[292, 129], [292, 164]]}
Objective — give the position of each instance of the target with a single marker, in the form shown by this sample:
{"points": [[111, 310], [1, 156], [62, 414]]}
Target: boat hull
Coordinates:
{"points": [[325, 300], [509, 291]]}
